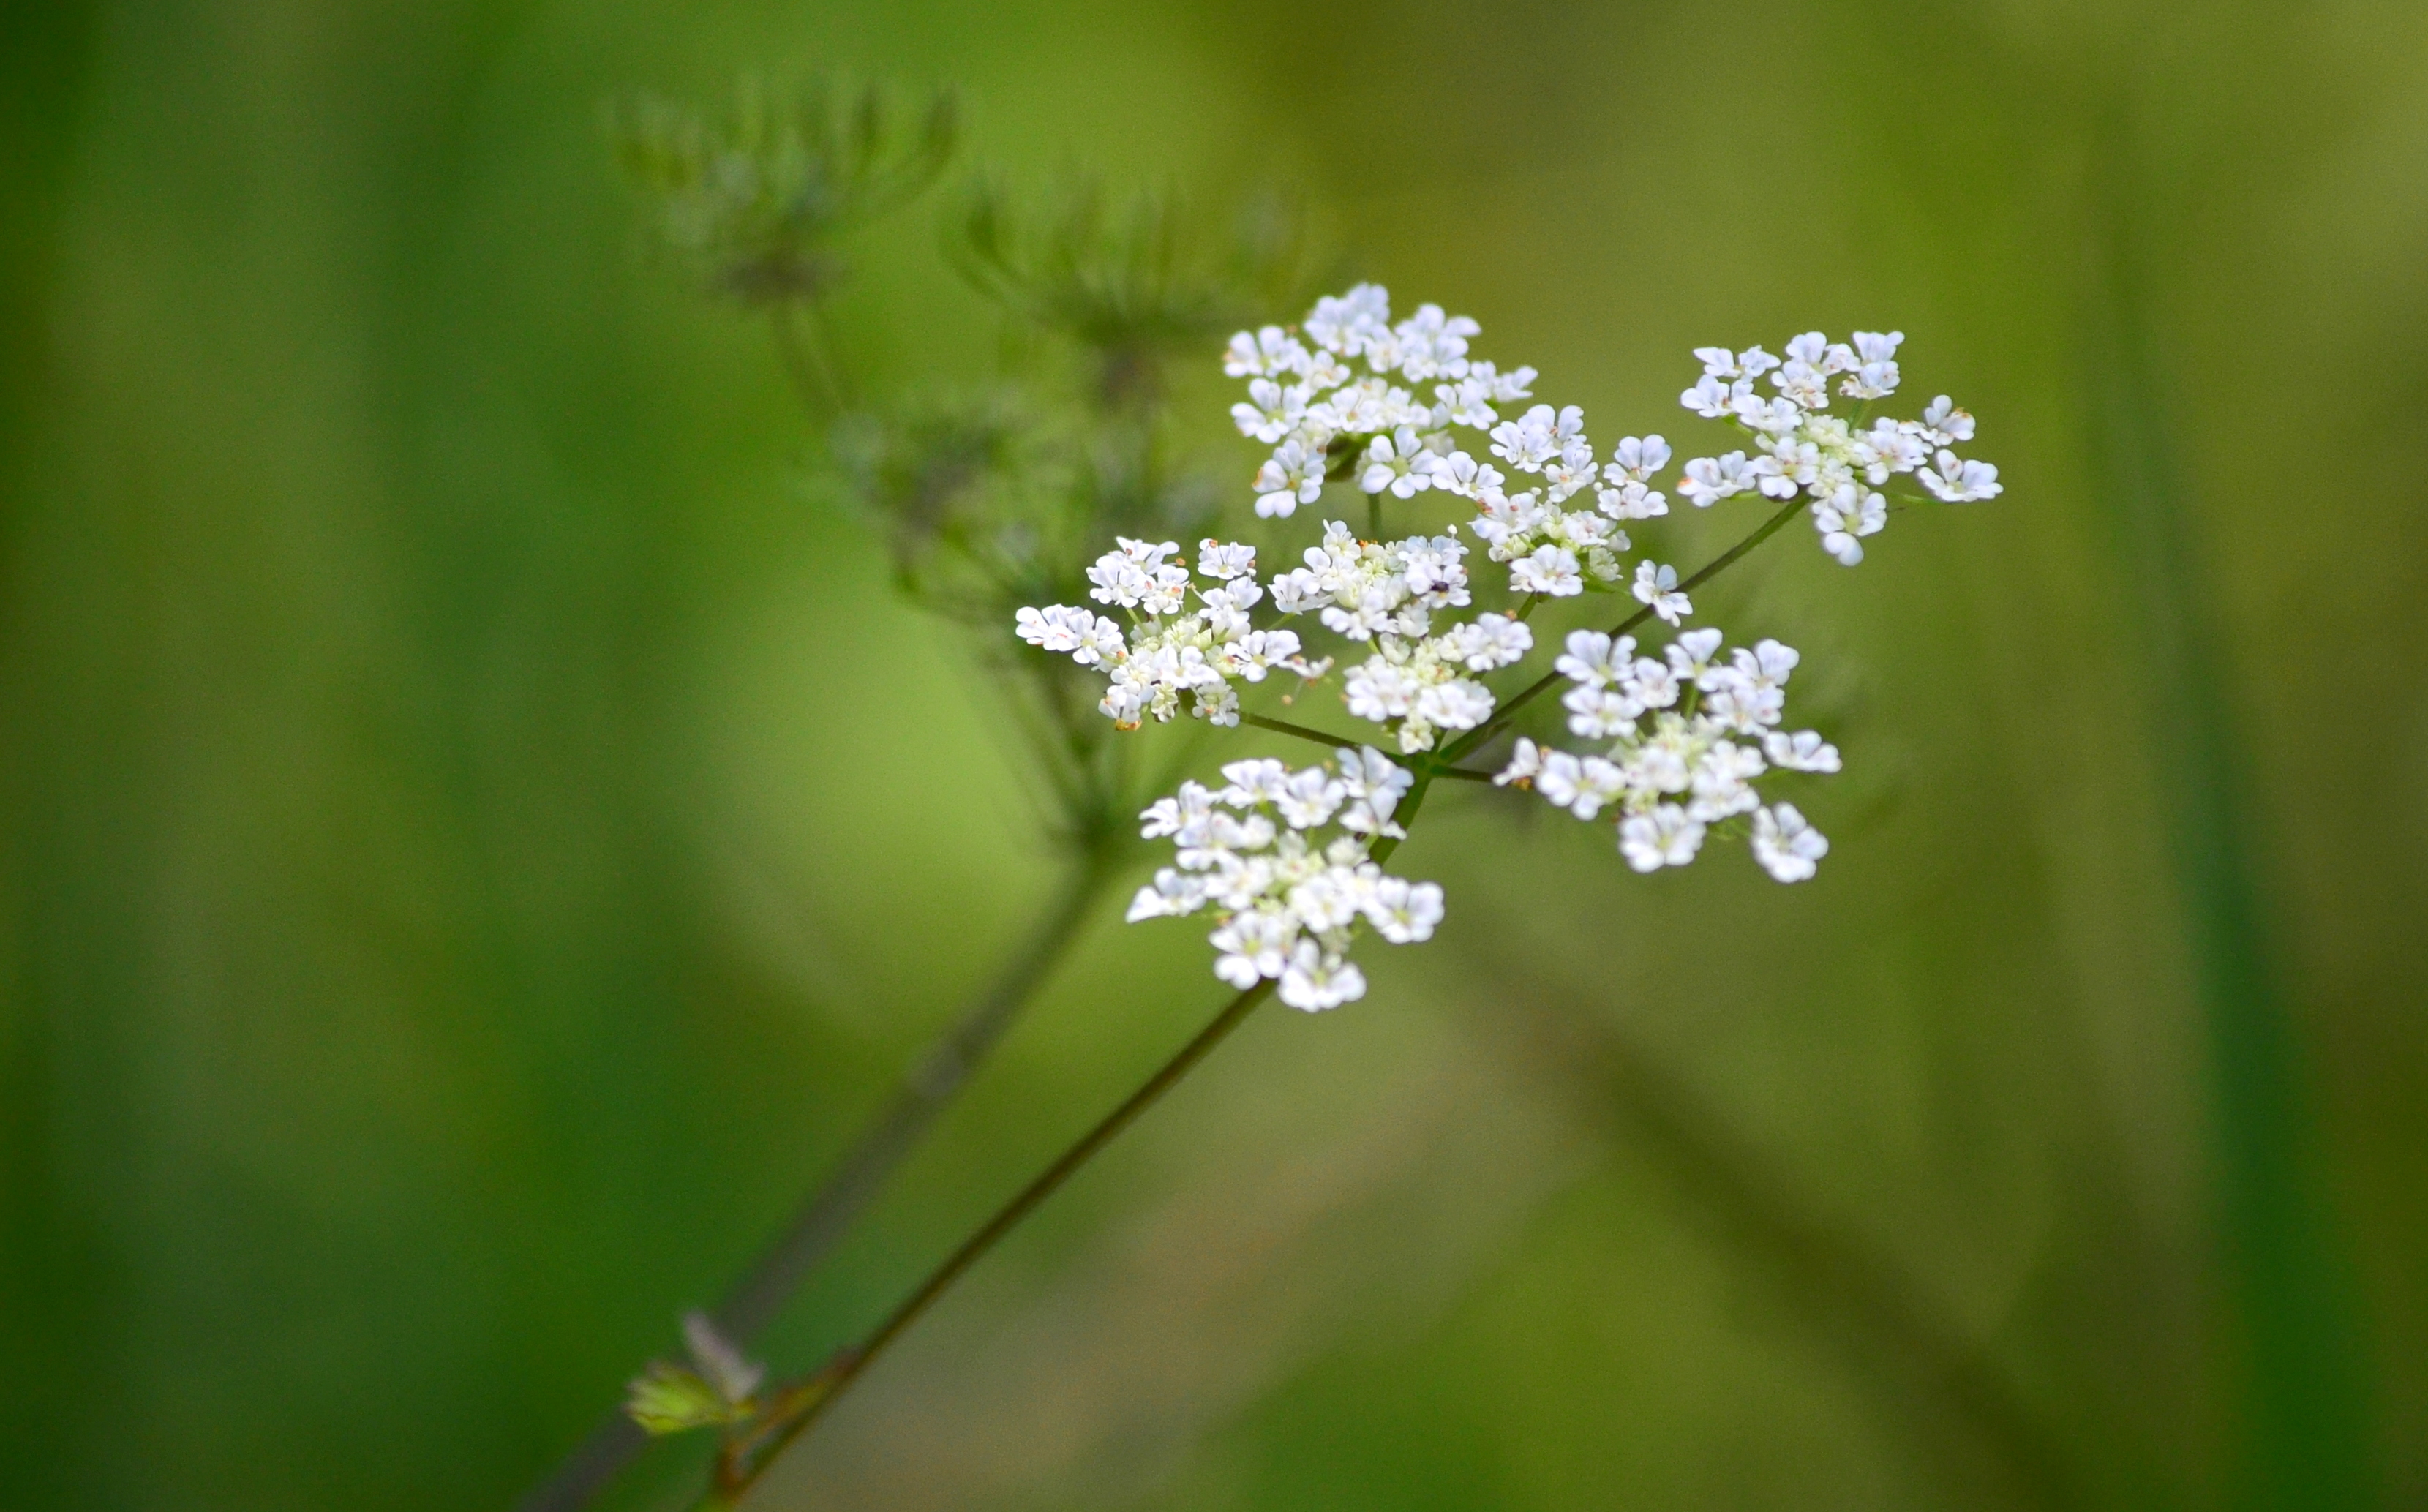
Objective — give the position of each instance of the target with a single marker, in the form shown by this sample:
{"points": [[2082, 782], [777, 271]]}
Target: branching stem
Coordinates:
{"points": [[852, 1363], [849, 1365], [925, 1092]]}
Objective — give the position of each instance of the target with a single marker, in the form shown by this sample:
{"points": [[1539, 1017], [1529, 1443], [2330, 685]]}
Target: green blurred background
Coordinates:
{"points": [[479, 833]]}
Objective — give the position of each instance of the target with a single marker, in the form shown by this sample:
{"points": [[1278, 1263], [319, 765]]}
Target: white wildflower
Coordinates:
{"points": [[1960, 483], [1294, 475], [1400, 462], [1271, 353], [1788, 847], [1663, 836], [1656, 587], [1551, 570], [1803, 751]]}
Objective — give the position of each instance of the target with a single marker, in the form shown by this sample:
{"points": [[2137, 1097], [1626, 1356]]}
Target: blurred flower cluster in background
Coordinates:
{"points": [[504, 693]]}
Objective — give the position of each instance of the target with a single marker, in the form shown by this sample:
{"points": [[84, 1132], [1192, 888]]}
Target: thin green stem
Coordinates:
{"points": [[1500, 721], [851, 1364], [845, 1191], [1284, 727]]}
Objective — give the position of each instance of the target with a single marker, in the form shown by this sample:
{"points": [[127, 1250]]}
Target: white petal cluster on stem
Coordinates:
{"points": [[1281, 859], [1837, 463], [1172, 648], [1677, 745], [1683, 741]]}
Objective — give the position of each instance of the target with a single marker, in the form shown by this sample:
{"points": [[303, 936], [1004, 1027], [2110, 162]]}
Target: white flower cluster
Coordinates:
{"points": [[1682, 740], [1304, 397], [1287, 901], [1170, 649], [1386, 593], [1687, 737], [1801, 448]]}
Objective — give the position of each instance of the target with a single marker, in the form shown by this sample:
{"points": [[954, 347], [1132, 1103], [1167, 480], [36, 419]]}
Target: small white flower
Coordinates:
{"points": [[1718, 362], [1635, 459], [1346, 323], [1712, 398], [1405, 912], [1254, 945], [1594, 660], [1218, 559], [1581, 787], [1316, 981], [1690, 656], [1294, 475], [1768, 665], [1788, 847], [1649, 684], [1051, 628], [1600, 714], [1842, 520], [1460, 474], [1803, 751], [1432, 344], [1656, 586], [1172, 895], [1667, 837], [1271, 411], [1802, 384], [1400, 462], [1489, 641], [1525, 764], [1551, 570], [1631, 500], [1506, 387], [1708, 480], [1873, 346], [1460, 705], [1960, 483], [1722, 783], [1368, 774], [1270, 353], [1943, 424]]}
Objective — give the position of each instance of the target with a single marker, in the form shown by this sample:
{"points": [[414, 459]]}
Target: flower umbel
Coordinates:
{"points": [[1288, 900], [1684, 740], [1681, 745], [1834, 461]]}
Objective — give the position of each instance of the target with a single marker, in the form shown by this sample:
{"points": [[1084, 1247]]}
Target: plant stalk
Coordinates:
{"points": [[830, 1209], [851, 1363]]}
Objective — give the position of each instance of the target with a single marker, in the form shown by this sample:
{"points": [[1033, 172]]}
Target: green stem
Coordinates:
{"points": [[1008, 1216], [1462, 774], [830, 1208], [852, 1363], [1286, 728]]}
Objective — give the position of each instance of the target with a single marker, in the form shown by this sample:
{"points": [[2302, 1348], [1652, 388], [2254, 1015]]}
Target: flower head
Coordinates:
{"points": [[1281, 858]]}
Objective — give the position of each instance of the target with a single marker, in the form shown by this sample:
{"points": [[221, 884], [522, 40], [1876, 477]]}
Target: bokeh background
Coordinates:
{"points": [[480, 833]]}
